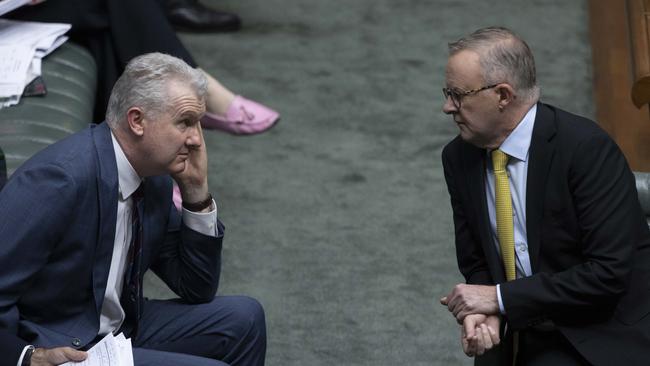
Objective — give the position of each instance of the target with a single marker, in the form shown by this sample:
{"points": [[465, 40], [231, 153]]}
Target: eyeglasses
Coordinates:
{"points": [[456, 95]]}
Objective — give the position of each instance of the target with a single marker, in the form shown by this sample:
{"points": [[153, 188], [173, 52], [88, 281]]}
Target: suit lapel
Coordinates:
{"points": [[540, 156], [107, 186], [474, 164]]}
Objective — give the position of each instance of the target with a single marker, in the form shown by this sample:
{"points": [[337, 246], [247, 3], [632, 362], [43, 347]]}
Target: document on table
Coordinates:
{"points": [[110, 351]]}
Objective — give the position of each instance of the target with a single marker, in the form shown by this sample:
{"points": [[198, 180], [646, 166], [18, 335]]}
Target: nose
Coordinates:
{"points": [[449, 107], [193, 136]]}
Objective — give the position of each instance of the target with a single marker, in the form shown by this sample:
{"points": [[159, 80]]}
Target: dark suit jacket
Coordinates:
{"points": [[57, 233], [588, 241]]}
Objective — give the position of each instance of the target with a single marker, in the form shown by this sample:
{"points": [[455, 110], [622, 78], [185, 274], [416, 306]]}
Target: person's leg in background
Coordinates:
{"points": [[118, 30]]}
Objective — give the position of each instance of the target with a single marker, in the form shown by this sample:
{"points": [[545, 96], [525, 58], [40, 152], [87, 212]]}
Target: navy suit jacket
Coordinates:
{"points": [[588, 240], [57, 233]]}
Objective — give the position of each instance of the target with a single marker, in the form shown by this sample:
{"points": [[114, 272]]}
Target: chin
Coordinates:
{"points": [[176, 168]]}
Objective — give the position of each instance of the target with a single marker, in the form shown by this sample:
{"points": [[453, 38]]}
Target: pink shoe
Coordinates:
{"points": [[176, 197], [244, 117]]}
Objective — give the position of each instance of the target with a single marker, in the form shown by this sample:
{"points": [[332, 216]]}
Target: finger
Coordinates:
{"points": [[494, 336], [487, 339], [444, 301], [451, 300], [461, 313], [455, 305], [468, 346], [480, 342], [465, 344], [73, 355], [464, 312], [472, 343]]}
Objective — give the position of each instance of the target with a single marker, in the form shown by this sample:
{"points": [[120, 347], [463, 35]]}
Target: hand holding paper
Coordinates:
{"points": [[110, 351]]}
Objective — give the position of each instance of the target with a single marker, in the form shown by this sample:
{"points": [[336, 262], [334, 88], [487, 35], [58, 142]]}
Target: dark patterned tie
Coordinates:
{"points": [[131, 292]]}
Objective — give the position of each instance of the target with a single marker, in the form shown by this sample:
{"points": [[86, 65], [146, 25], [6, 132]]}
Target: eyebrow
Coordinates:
{"points": [[188, 113]]}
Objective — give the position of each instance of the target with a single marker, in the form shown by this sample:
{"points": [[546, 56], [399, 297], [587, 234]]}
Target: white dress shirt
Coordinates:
{"points": [[112, 314], [516, 146]]}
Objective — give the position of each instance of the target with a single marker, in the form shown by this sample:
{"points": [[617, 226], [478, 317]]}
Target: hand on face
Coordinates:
{"points": [[193, 179]]}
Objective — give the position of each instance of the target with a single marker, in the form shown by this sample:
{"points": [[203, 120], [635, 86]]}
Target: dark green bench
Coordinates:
{"points": [[70, 75]]}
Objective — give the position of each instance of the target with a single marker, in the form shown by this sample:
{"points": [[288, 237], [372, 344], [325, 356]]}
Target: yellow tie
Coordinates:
{"points": [[505, 226]]}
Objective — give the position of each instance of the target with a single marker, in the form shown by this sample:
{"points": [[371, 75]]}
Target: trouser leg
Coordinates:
{"points": [[231, 329]]}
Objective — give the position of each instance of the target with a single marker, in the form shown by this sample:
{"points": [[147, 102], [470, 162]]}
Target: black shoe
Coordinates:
{"points": [[192, 16]]}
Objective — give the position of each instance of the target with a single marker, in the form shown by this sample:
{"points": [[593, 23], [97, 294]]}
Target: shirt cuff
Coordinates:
{"points": [[202, 222], [22, 354], [501, 308]]}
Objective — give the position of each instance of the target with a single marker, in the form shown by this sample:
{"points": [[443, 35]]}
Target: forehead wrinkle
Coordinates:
{"points": [[187, 105]]}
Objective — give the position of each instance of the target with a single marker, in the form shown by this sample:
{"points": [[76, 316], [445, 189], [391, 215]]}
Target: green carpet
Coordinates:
{"points": [[338, 219]]}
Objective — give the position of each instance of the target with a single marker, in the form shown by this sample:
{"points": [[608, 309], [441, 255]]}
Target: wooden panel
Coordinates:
{"points": [[637, 14], [613, 79]]}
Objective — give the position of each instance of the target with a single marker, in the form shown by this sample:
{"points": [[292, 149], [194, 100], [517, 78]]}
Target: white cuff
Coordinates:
{"points": [[501, 308], [22, 354], [202, 222]]}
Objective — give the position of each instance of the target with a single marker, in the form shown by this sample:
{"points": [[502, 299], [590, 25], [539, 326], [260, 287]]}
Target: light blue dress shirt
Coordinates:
{"points": [[516, 146]]}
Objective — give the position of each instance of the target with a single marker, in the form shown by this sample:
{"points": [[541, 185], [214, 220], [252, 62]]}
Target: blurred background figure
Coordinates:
{"points": [[118, 30]]}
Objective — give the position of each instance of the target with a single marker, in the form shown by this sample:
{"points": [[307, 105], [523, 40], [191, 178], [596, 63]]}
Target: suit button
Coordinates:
{"points": [[76, 342]]}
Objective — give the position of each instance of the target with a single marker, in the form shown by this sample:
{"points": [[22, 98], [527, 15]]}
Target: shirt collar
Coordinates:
{"points": [[517, 143], [128, 179]]}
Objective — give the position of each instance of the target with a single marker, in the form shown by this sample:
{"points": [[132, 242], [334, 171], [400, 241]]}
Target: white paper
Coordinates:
{"points": [[110, 351], [9, 5], [22, 46], [15, 73]]}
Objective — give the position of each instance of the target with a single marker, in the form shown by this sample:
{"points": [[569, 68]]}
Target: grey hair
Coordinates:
{"points": [[504, 57], [144, 84]]}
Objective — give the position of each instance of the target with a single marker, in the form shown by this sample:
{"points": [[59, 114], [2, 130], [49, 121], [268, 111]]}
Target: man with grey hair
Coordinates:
{"points": [[87, 216], [550, 236]]}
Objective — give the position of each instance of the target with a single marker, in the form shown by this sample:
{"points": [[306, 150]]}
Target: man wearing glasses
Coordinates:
{"points": [[550, 236]]}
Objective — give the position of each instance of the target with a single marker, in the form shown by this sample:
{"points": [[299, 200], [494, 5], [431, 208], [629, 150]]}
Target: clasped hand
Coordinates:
{"points": [[476, 308]]}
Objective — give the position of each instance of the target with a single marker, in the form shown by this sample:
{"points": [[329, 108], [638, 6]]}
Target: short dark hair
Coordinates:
{"points": [[504, 57]]}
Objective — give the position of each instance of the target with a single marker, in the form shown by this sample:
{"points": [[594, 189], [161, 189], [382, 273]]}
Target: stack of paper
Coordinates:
{"points": [[9, 5], [22, 46], [110, 351]]}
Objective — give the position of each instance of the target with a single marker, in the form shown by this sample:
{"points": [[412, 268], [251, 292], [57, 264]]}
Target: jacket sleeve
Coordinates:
{"points": [[469, 253], [34, 212], [608, 217], [189, 262]]}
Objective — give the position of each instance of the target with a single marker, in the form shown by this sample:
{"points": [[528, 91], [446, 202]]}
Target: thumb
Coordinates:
{"points": [[444, 301], [74, 355]]}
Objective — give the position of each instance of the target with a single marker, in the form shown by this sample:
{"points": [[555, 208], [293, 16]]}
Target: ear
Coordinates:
{"points": [[135, 118], [506, 95]]}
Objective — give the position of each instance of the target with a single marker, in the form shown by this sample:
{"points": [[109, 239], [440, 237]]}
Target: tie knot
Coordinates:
{"points": [[499, 160], [139, 193]]}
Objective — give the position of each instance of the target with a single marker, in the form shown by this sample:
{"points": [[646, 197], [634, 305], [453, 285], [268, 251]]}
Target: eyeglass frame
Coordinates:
{"points": [[451, 93]]}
